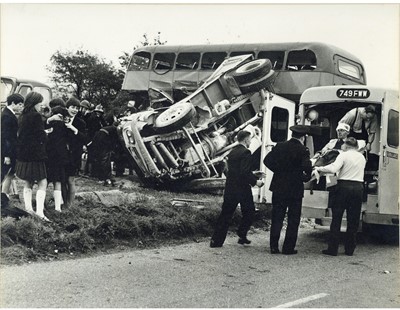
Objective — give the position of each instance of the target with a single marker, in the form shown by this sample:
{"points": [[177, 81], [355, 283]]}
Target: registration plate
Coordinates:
{"points": [[353, 93]]}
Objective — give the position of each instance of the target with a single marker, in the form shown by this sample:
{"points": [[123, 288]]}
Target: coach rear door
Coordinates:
{"points": [[279, 115]]}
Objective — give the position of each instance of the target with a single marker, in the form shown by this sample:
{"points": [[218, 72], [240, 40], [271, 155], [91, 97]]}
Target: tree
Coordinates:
{"points": [[85, 76]]}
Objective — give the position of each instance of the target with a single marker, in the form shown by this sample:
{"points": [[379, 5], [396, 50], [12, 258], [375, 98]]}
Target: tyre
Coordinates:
{"points": [[257, 85], [174, 118], [252, 70]]}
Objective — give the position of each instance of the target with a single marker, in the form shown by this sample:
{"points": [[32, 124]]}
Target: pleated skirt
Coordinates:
{"points": [[31, 171]]}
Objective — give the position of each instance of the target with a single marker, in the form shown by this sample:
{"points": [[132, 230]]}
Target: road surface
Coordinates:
{"points": [[194, 275]]}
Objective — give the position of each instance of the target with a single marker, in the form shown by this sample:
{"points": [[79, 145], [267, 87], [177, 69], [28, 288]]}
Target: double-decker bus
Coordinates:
{"points": [[179, 70]]}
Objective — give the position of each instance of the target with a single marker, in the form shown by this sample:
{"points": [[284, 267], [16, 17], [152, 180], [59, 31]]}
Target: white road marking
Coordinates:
{"points": [[302, 300]]}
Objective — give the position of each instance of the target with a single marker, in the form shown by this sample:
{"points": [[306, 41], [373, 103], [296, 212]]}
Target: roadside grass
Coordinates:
{"points": [[91, 227]]}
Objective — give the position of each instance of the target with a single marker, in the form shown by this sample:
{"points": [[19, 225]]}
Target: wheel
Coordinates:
{"points": [[175, 117], [257, 85], [252, 70]]}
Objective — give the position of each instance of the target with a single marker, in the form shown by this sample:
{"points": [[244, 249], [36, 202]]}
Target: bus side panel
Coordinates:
{"points": [[388, 185], [186, 79], [136, 80], [291, 84]]}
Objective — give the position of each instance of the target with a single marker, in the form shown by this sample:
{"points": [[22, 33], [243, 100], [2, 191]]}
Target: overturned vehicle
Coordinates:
{"points": [[184, 146]]}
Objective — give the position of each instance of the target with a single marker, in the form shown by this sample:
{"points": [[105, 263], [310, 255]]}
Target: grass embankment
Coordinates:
{"points": [[92, 227]]}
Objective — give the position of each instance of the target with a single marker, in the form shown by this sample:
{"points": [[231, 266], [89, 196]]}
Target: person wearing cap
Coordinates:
{"points": [[349, 167], [239, 180], [363, 124], [9, 130], [84, 110], [291, 165], [76, 139], [57, 154], [31, 153]]}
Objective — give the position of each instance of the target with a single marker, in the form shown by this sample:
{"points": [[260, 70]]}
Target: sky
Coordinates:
{"points": [[31, 33]]}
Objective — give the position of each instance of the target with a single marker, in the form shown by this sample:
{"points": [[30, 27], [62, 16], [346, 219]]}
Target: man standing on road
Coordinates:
{"points": [[291, 165], [349, 166], [239, 181]]}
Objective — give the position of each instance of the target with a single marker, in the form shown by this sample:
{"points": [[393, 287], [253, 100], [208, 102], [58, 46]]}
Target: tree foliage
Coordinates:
{"points": [[85, 76]]}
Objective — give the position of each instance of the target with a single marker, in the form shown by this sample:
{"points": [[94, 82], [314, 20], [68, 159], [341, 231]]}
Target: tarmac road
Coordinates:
{"points": [[194, 275]]}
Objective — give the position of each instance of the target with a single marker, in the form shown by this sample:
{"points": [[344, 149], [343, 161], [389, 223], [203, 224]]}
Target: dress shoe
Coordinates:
{"points": [[289, 252], [348, 253], [244, 241], [275, 251], [213, 244], [328, 252]]}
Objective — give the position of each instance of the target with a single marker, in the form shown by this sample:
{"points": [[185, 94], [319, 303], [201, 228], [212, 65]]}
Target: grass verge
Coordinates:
{"points": [[94, 227]]}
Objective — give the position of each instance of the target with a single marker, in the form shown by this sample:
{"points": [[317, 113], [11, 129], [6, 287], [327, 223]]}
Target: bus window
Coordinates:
{"points": [[187, 61], [348, 69], [45, 92], [393, 129], [301, 60], [163, 61], [6, 87], [140, 61], [276, 58], [212, 60], [279, 124], [240, 53], [24, 90]]}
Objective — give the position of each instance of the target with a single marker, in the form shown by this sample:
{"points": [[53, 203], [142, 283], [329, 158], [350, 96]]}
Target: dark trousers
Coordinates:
{"points": [[231, 200], [102, 165], [281, 205], [348, 197]]}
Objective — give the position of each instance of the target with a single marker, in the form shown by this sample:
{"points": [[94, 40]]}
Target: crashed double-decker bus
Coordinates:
{"points": [[184, 145], [179, 70]]}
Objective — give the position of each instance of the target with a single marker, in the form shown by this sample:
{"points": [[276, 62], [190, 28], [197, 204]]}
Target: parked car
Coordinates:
{"points": [[11, 85], [185, 144]]}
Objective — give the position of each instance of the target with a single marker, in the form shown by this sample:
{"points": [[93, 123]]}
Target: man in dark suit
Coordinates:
{"points": [[291, 165], [9, 129], [239, 181]]}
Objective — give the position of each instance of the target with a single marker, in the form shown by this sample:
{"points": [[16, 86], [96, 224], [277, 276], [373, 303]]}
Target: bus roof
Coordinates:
{"points": [[25, 81], [340, 93], [314, 46]]}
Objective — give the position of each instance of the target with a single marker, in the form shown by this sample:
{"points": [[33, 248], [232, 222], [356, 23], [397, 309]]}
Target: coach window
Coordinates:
{"points": [[163, 61], [140, 61], [212, 60], [301, 60], [187, 61], [241, 53], [393, 129], [276, 58], [279, 124], [348, 69]]}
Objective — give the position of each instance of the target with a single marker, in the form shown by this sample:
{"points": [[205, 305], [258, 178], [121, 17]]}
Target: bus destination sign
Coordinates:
{"points": [[353, 93]]}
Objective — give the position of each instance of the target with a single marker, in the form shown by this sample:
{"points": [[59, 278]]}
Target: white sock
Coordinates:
{"points": [[28, 199], [57, 200], [40, 196]]}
